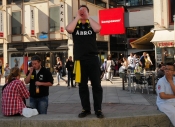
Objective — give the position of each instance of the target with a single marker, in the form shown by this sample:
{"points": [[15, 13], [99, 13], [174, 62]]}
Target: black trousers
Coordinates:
{"points": [[90, 69], [70, 78]]}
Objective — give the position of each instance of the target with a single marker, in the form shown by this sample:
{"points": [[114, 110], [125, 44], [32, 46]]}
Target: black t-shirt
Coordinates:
{"points": [[70, 65], [43, 75], [84, 39], [142, 60]]}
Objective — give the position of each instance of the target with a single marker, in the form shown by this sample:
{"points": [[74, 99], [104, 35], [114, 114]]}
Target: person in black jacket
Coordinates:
{"points": [[70, 67], [40, 79]]}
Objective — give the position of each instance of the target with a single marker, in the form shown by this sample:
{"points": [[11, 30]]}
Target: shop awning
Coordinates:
{"points": [[163, 36], [143, 42]]}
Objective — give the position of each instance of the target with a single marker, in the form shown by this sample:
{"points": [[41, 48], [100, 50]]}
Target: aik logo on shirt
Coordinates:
{"points": [[89, 32]]}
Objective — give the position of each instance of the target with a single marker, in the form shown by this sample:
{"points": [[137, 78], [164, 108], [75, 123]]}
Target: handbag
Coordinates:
{"points": [[112, 66]]}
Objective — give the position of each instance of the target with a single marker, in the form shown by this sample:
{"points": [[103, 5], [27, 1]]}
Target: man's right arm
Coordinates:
{"points": [[71, 26], [29, 73], [27, 79]]}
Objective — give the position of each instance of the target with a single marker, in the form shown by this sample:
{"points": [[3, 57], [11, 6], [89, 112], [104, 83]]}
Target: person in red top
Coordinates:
{"points": [[13, 94]]}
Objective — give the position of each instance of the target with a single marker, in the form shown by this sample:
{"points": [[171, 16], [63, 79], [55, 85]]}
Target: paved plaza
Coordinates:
{"points": [[65, 100], [120, 107]]}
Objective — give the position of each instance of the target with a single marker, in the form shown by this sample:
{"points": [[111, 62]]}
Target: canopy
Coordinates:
{"points": [[163, 36], [143, 42]]}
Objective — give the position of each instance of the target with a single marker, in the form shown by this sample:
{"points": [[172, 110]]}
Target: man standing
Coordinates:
{"points": [[131, 62], [166, 93], [84, 29], [142, 60], [70, 67], [40, 79]]}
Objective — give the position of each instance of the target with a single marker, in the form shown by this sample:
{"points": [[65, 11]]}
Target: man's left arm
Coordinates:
{"points": [[95, 26], [49, 81]]}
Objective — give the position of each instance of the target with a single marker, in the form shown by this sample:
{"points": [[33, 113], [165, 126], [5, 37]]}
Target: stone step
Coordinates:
{"points": [[137, 119]]}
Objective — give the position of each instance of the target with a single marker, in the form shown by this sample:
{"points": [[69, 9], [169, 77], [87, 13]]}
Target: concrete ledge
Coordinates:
{"points": [[137, 119]]}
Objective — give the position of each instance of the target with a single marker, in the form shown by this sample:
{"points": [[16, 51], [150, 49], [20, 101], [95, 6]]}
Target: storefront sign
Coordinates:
{"points": [[61, 17], [32, 20], [44, 36], [112, 21], [1, 24], [165, 44]]}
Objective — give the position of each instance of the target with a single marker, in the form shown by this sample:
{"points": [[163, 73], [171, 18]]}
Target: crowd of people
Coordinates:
{"points": [[112, 67]]}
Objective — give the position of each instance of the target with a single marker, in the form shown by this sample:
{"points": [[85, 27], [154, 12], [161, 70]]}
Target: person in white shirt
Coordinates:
{"points": [[109, 70], [131, 62], [166, 93]]}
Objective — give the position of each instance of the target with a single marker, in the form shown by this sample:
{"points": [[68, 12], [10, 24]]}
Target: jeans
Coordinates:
{"points": [[59, 76], [110, 75], [41, 104], [90, 69], [131, 68], [70, 78]]}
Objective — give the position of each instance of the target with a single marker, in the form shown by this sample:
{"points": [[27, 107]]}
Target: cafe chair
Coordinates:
{"points": [[141, 82]]}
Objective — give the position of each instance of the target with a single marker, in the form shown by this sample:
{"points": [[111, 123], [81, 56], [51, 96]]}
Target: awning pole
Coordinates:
{"points": [[109, 52], [174, 27]]}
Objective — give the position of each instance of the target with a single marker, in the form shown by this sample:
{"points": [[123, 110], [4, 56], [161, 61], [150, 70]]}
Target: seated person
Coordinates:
{"points": [[166, 93], [161, 72], [13, 94]]}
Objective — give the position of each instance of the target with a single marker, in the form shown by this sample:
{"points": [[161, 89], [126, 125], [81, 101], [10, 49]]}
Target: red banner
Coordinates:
{"points": [[25, 64], [112, 21]]}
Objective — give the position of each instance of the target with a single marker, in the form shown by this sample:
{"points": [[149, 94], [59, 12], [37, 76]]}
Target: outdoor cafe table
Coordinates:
{"points": [[130, 80]]}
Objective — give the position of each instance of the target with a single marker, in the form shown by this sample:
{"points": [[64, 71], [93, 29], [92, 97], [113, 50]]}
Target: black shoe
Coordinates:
{"points": [[74, 86], [84, 113], [99, 114]]}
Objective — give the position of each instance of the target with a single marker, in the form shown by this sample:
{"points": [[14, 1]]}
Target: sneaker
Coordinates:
{"points": [[84, 113], [99, 114], [111, 81], [68, 87]]}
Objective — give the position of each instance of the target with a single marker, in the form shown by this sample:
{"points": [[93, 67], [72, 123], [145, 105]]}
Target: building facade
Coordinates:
{"points": [[164, 35], [29, 27]]}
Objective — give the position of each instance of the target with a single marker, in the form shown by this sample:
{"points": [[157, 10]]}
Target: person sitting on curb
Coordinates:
{"points": [[166, 93], [13, 94]]}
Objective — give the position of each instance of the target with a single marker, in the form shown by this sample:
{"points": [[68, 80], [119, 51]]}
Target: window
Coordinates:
{"points": [[9, 1], [54, 18], [100, 3], [172, 10], [0, 2], [145, 2], [16, 23], [133, 2], [14, 1], [31, 0], [120, 2], [91, 1]]}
